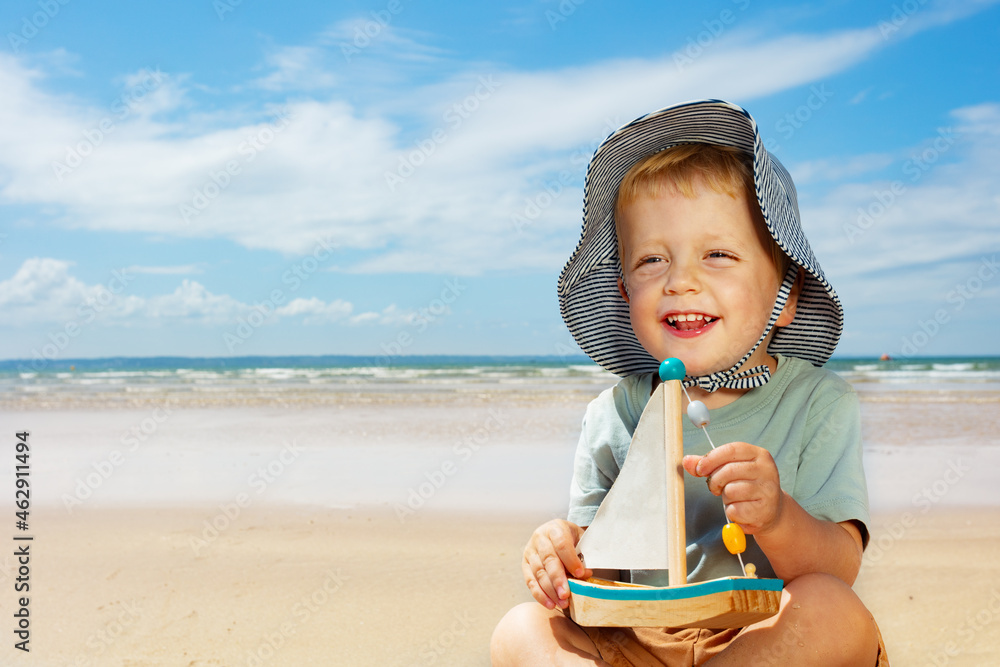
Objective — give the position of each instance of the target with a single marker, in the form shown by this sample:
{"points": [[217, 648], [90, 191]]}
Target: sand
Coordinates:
{"points": [[341, 587], [291, 535]]}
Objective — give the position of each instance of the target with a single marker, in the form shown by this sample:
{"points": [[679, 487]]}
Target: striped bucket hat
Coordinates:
{"points": [[589, 300]]}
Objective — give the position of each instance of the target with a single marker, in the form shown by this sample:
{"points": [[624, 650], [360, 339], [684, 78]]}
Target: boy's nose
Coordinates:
{"points": [[681, 278]]}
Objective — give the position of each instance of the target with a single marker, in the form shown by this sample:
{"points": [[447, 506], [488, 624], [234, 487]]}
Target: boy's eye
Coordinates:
{"points": [[648, 261], [720, 254]]}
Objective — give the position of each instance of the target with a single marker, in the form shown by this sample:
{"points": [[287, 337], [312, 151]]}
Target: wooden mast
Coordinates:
{"points": [[673, 442]]}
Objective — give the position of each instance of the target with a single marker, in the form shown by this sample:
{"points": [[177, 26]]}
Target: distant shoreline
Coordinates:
{"points": [[409, 361]]}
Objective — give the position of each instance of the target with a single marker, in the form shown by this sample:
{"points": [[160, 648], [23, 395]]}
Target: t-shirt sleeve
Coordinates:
{"points": [[830, 482], [594, 466]]}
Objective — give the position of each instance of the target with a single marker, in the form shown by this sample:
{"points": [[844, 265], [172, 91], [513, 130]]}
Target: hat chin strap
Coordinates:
{"points": [[758, 375]]}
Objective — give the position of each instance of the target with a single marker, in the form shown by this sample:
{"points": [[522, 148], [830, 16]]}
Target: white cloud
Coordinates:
{"points": [[325, 171], [43, 291], [42, 287], [353, 41], [390, 316], [839, 169], [316, 311], [191, 301], [182, 269], [906, 19], [298, 68], [477, 172]]}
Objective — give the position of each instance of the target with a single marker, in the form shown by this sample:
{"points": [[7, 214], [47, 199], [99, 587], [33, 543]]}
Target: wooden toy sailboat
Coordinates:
{"points": [[640, 526]]}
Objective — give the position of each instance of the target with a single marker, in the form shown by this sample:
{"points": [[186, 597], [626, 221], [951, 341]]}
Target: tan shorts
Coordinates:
{"points": [[655, 647]]}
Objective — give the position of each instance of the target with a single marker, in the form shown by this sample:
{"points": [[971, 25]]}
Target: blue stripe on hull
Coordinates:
{"points": [[673, 593]]}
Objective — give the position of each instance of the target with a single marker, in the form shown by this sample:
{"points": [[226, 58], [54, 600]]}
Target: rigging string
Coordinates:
{"points": [[732, 533]]}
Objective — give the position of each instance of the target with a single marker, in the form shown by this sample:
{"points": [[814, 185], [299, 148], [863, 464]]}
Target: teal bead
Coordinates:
{"points": [[672, 369]]}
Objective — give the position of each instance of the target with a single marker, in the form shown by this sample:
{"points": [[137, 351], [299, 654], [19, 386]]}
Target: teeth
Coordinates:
{"points": [[689, 317]]}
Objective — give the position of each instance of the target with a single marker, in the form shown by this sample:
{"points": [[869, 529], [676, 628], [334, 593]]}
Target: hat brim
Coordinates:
{"points": [[592, 307]]}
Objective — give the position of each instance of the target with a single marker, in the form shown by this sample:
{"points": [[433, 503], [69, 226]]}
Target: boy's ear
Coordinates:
{"points": [[623, 291], [788, 312]]}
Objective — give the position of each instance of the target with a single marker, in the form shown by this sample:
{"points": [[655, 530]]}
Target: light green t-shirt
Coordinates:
{"points": [[808, 419]]}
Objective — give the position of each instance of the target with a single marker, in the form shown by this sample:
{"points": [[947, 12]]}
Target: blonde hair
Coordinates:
{"points": [[724, 169]]}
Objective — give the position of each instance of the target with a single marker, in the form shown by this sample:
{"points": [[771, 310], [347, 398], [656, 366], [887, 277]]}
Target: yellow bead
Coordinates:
{"points": [[734, 538]]}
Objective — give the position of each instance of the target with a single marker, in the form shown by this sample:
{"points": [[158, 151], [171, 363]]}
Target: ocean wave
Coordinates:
{"points": [[223, 376], [953, 367]]}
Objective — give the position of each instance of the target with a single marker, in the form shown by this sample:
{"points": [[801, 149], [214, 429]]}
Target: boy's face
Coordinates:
{"points": [[700, 283]]}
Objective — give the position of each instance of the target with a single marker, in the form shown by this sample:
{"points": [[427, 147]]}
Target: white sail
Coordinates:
{"points": [[630, 529]]}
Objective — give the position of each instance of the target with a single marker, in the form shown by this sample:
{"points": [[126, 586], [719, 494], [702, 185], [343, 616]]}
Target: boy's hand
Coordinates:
{"points": [[550, 553], [747, 479]]}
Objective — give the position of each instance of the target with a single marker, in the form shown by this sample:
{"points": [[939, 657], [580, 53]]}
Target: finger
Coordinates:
{"points": [[747, 513], [539, 584], [565, 549], [690, 463], [720, 456], [733, 472], [557, 577]]}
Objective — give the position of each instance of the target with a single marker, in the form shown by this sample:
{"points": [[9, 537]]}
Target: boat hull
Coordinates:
{"points": [[730, 602]]}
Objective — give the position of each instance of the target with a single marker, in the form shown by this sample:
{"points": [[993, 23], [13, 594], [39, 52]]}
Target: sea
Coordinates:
{"points": [[221, 377]]}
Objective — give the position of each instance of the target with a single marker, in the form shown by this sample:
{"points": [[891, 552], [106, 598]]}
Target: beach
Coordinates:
{"points": [[381, 523]]}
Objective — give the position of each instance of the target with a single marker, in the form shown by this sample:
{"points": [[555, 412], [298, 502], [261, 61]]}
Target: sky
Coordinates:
{"points": [[238, 177]]}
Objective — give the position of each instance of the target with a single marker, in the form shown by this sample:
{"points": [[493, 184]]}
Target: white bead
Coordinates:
{"points": [[698, 414]]}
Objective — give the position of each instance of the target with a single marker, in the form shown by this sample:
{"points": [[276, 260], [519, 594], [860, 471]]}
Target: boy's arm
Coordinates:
{"points": [[794, 541], [798, 543]]}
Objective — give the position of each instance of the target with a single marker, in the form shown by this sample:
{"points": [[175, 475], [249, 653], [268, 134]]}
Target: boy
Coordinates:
{"points": [[692, 248]]}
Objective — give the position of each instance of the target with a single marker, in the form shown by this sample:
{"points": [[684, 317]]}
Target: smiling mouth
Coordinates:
{"points": [[688, 321]]}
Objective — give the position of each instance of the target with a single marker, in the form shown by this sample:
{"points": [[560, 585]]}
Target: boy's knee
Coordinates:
{"points": [[515, 629], [825, 591], [833, 614], [530, 634]]}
